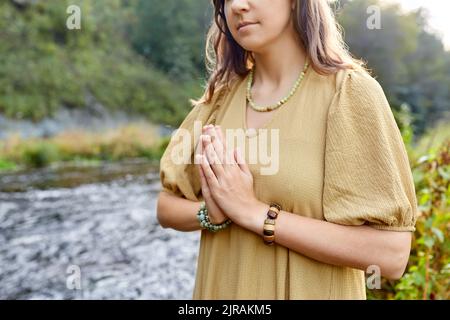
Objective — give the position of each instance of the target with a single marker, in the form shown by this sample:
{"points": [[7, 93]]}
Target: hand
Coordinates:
{"points": [[228, 177], [216, 215]]}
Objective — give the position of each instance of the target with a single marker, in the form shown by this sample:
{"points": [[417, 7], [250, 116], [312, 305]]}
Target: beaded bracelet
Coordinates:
{"points": [[203, 218], [269, 223]]}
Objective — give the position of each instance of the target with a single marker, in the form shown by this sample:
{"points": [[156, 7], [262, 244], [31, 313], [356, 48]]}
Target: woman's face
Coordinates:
{"points": [[268, 19]]}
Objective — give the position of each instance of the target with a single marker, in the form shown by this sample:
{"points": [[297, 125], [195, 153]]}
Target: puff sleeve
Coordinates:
{"points": [[178, 174], [368, 178], [178, 178]]}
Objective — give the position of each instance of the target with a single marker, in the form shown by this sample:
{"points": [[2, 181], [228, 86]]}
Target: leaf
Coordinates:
{"points": [[429, 242], [439, 234], [418, 279], [423, 159], [443, 173]]}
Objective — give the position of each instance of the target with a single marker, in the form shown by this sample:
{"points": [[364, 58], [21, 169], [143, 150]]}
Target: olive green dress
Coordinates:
{"points": [[341, 159]]}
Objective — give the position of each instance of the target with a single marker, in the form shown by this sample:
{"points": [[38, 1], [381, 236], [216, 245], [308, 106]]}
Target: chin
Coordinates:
{"points": [[252, 46]]}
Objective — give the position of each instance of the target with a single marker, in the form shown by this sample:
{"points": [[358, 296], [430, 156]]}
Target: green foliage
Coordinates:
{"points": [[428, 271], [404, 119], [431, 141], [45, 65], [428, 276], [171, 34], [383, 48], [408, 61], [146, 56], [40, 155], [131, 141], [6, 165]]}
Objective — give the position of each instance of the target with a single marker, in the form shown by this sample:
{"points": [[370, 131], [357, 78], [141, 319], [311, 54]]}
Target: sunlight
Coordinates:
{"points": [[438, 15]]}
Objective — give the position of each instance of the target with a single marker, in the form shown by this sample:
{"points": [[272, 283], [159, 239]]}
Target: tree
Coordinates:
{"points": [[171, 35]]}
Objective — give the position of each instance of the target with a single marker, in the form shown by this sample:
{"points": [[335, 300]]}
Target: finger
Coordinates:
{"points": [[213, 159], [205, 188], [198, 160], [230, 159], [209, 174], [198, 149], [200, 141], [209, 149], [240, 160], [206, 128], [217, 144], [220, 134], [228, 154]]}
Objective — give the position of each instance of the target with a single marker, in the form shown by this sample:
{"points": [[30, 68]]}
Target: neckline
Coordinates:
{"points": [[254, 132]]}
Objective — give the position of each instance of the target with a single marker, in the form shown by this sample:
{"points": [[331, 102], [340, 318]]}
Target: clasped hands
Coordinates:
{"points": [[226, 180]]}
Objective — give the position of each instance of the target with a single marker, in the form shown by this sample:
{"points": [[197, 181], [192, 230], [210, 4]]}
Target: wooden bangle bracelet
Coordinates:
{"points": [[269, 223]]}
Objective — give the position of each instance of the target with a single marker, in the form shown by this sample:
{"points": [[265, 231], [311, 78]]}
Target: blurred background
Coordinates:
{"points": [[85, 114]]}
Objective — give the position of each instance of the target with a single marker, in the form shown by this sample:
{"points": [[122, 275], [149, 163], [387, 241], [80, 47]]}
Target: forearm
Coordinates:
{"points": [[177, 213], [352, 246]]}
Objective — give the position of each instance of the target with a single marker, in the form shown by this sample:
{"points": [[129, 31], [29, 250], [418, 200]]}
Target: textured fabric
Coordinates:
{"points": [[341, 159], [182, 179]]}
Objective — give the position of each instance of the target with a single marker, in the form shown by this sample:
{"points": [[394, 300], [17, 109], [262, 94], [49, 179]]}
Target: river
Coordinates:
{"points": [[90, 232]]}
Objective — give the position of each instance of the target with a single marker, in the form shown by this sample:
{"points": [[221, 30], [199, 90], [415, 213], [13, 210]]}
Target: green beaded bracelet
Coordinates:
{"points": [[203, 218]]}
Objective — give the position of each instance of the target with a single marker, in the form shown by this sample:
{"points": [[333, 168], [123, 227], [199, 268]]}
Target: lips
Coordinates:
{"points": [[245, 23]]}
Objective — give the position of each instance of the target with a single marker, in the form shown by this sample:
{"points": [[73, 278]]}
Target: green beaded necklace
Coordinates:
{"points": [[279, 103]]}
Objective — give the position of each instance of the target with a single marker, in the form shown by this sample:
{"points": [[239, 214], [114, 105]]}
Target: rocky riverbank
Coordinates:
{"points": [[107, 229]]}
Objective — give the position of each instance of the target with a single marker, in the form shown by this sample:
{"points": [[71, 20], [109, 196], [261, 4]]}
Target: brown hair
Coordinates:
{"points": [[318, 31]]}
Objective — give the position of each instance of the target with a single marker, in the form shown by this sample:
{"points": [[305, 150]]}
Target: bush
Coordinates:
{"points": [[45, 66], [428, 270], [40, 155], [428, 275], [130, 141]]}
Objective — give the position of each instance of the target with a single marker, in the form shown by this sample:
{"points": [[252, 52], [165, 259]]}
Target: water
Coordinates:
{"points": [[100, 221]]}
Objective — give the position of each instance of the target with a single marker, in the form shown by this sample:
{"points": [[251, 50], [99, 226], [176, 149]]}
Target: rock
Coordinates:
{"points": [[108, 230]]}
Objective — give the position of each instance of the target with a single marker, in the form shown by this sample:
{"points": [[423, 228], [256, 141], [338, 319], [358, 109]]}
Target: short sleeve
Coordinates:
{"points": [[368, 178], [178, 177], [178, 174]]}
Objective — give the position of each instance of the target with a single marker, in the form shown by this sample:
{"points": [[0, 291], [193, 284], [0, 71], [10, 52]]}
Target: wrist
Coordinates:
{"points": [[255, 219], [206, 223], [219, 221]]}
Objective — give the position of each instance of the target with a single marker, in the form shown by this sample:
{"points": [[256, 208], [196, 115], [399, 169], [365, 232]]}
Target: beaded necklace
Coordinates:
{"points": [[279, 103]]}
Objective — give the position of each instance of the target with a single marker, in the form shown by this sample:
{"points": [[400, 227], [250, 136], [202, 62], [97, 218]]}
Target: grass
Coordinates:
{"points": [[6, 165], [433, 139], [131, 141]]}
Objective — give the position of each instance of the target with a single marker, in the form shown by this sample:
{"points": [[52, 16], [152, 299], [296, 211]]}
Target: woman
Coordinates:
{"points": [[343, 182]]}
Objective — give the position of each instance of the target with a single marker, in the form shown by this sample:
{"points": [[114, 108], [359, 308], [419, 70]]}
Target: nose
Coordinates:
{"points": [[238, 5]]}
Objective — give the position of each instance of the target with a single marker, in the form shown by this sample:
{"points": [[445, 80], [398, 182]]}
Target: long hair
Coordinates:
{"points": [[318, 31]]}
